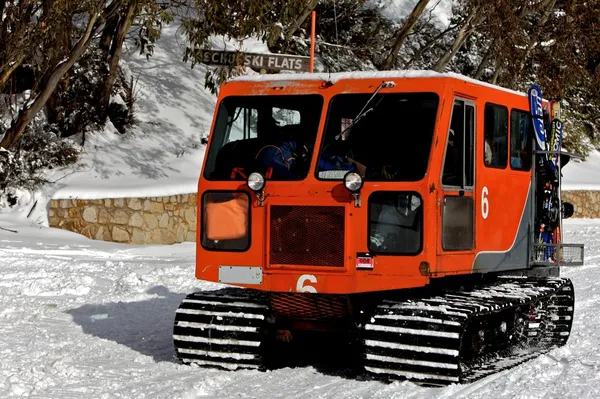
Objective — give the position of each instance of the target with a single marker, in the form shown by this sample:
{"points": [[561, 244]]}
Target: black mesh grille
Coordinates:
{"points": [[309, 306], [307, 235]]}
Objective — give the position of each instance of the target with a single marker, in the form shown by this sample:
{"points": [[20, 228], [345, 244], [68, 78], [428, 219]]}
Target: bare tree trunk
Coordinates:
{"points": [[293, 27], [115, 54], [56, 50], [6, 74], [403, 33], [486, 59], [520, 13], [496, 74], [108, 33], [428, 45], [533, 40], [15, 132], [475, 17]]}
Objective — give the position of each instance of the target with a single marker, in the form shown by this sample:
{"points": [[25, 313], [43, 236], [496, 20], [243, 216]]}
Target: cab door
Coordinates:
{"points": [[456, 199]]}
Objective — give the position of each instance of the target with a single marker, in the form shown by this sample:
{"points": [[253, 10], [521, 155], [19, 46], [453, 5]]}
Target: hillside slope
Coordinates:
{"points": [[163, 154]]}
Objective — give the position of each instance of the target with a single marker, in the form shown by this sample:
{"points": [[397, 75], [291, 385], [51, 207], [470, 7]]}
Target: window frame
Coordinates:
{"points": [[211, 152], [471, 188], [421, 216], [323, 132], [507, 158], [529, 141]]}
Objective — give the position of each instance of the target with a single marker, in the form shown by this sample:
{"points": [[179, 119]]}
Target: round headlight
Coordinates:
{"points": [[353, 182], [256, 181]]}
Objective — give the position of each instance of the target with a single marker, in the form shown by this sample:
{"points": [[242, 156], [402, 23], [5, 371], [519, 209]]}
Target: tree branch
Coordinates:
{"points": [[402, 34], [7, 74], [15, 132]]}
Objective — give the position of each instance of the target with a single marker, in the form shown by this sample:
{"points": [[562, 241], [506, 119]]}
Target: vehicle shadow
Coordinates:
{"points": [[147, 328], [144, 326]]}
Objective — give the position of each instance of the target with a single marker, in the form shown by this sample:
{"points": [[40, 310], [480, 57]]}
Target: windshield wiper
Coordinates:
{"points": [[362, 112]]}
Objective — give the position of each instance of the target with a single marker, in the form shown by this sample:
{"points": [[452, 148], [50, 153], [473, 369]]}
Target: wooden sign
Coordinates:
{"points": [[256, 61]]}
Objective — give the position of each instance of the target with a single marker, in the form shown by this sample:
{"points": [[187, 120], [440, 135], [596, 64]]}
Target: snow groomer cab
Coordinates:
{"points": [[328, 196]]}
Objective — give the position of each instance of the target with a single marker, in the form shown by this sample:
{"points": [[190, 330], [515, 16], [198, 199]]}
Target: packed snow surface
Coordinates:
{"points": [[90, 319]]}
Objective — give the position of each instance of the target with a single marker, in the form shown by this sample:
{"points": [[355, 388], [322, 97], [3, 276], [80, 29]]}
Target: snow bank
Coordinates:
{"points": [[583, 175]]}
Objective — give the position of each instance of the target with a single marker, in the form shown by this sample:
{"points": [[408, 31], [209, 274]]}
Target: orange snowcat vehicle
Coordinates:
{"points": [[395, 212]]}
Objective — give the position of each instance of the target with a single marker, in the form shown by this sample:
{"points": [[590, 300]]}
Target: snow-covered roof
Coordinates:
{"points": [[398, 74]]}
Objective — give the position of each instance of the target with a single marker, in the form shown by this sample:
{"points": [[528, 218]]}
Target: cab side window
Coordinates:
{"points": [[521, 136], [495, 136], [459, 157]]}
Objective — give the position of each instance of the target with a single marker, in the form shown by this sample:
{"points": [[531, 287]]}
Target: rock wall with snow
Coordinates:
{"points": [[585, 202], [172, 219], [153, 220]]}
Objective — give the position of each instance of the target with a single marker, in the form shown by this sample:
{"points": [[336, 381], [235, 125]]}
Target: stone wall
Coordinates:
{"points": [[169, 220], [586, 203], [157, 220]]}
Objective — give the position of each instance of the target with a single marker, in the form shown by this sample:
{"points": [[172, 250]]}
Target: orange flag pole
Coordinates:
{"points": [[312, 41]]}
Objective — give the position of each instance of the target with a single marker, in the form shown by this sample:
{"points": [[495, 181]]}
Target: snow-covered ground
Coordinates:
{"points": [[82, 318], [89, 319], [583, 175]]}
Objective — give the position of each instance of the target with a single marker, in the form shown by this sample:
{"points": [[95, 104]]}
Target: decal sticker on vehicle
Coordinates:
{"points": [[364, 260]]}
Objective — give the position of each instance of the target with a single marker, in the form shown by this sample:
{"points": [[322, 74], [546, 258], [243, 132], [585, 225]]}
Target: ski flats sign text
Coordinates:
{"points": [[256, 61]]}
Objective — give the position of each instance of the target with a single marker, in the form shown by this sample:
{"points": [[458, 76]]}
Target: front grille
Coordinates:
{"points": [[309, 306], [307, 235]]}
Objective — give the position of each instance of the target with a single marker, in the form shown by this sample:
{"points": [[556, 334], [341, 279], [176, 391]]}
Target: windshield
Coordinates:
{"points": [[390, 140], [274, 135]]}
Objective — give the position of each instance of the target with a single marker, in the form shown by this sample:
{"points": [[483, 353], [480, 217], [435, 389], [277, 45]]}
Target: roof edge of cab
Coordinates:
{"points": [[338, 76]]}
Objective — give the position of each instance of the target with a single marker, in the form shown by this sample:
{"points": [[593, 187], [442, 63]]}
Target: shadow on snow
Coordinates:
{"points": [[147, 327], [144, 326]]}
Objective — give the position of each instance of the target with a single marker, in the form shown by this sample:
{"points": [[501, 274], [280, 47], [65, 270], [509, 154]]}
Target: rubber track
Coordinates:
{"points": [[420, 339], [221, 329]]}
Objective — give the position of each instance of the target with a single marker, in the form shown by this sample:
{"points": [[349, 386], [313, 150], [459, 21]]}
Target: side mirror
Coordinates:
{"points": [[567, 210]]}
